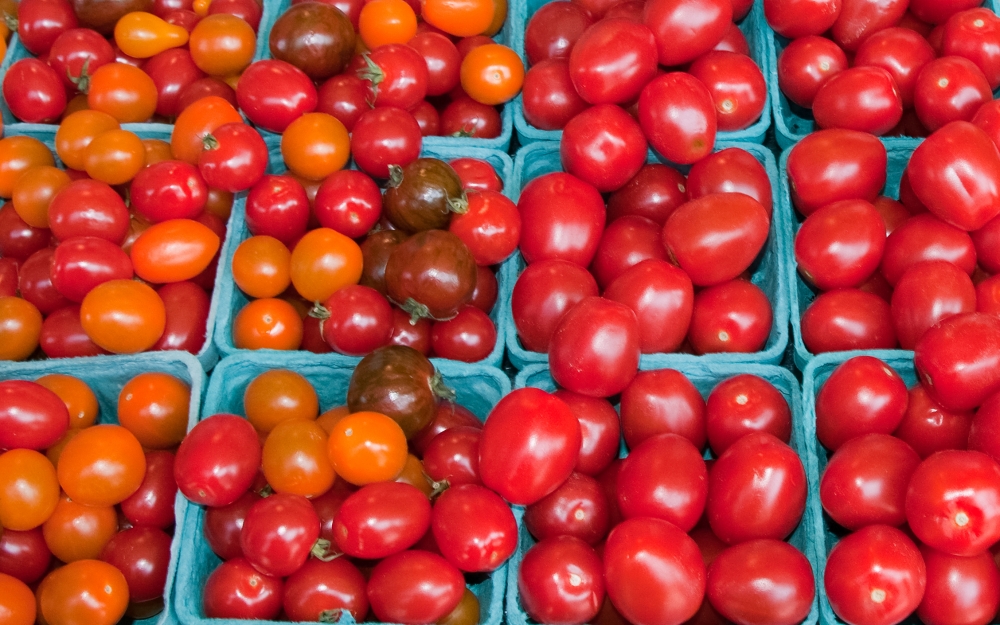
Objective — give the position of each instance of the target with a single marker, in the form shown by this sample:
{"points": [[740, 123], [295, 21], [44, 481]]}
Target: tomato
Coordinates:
{"points": [[210, 472], [648, 488], [605, 74], [234, 158], [222, 44], [88, 208], [474, 528], [30, 489], [959, 589], [273, 93], [743, 404], [17, 155], [174, 250], [81, 263], [900, 51], [546, 216], [441, 59], [384, 136], [279, 395], [223, 525], [18, 603], [39, 23], [984, 433], [142, 555], [34, 92], [125, 92], [548, 96], [75, 531], [865, 99], [237, 590], [560, 581], [349, 202], [102, 465], [737, 87], [33, 417], [295, 459], [414, 587], [603, 146], [142, 35], [324, 261], [806, 64], [654, 192], [926, 238], [278, 206], [261, 266], [847, 319], [387, 21], [267, 323], [949, 89], [152, 505], [381, 519], [734, 316], [858, 20], [86, 591], [761, 580], [840, 245], [320, 588], [661, 296], [677, 116], [863, 395], [154, 407], [33, 192], [278, 533], [687, 29], [394, 75], [959, 374], [953, 502], [796, 19], [461, 18], [172, 71], [367, 447], [646, 564], [578, 508], [464, 117], [315, 145], [187, 310], [20, 328], [832, 165], [927, 293]]}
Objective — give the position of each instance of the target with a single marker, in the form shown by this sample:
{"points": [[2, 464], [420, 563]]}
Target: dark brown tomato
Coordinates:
{"points": [[102, 15], [375, 252], [423, 195], [431, 274], [315, 37], [400, 383]]}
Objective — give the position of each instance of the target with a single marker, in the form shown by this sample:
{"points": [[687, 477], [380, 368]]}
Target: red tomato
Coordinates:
{"points": [[927, 427], [414, 587], [560, 581], [793, 19], [549, 98], [677, 114], [474, 528], [603, 73], [734, 316], [840, 245], [381, 519], [654, 192], [984, 433], [928, 292], [554, 29], [806, 64], [662, 401], [234, 158], [577, 508], [541, 296], [859, 19], [949, 89], [273, 93], [490, 228], [552, 206], [603, 146], [901, 52], [664, 477], [958, 360], [218, 460], [924, 238], [859, 98], [831, 165], [963, 590], [625, 243], [737, 87], [32, 416], [732, 170], [863, 395], [686, 29], [278, 533], [81, 263], [320, 588], [661, 296], [237, 590], [600, 430], [743, 404]]}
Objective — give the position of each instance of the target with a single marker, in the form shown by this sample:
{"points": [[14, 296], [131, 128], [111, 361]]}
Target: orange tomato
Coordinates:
{"points": [[78, 532], [277, 396], [85, 592], [33, 192], [195, 122], [200, 7], [76, 103], [294, 459], [18, 154], [323, 262], [115, 156], [329, 418], [141, 35], [315, 145], [222, 44], [53, 453], [461, 18], [29, 489], [101, 466], [367, 447], [386, 21], [492, 74], [123, 91], [123, 316], [499, 17], [156, 150], [261, 266], [267, 323], [154, 406], [174, 250], [76, 394], [413, 474], [17, 602], [20, 328], [76, 132]]}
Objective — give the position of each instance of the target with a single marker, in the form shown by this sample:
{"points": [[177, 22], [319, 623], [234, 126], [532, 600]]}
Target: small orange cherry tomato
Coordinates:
{"points": [[277, 396], [76, 103], [315, 145], [29, 489], [123, 91], [295, 459], [85, 592], [115, 156], [17, 602], [323, 262], [492, 74], [53, 453], [461, 18], [195, 122], [222, 44], [267, 323], [123, 316], [201, 7], [78, 532], [18, 154], [76, 132], [141, 35], [499, 17], [173, 250], [154, 406], [367, 447], [77, 395], [261, 266], [33, 192], [101, 466], [20, 328], [157, 150], [413, 474], [329, 418], [386, 21]]}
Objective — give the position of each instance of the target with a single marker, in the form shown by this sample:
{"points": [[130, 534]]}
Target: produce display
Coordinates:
{"points": [[295, 328]]}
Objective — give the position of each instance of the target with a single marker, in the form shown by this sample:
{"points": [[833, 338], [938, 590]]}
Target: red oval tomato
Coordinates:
{"points": [[560, 581], [677, 116], [686, 29], [863, 98], [831, 165], [218, 460]]}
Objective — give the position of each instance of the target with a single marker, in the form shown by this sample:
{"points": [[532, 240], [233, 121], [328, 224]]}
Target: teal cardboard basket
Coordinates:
{"points": [[770, 271], [705, 376], [898, 151], [232, 300], [478, 388], [754, 27], [813, 378], [106, 375]]}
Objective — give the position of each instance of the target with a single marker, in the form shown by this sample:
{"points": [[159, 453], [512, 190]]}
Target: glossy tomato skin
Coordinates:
{"points": [[474, 528], [964, 590], [169, 190], [742, 404], [847, 319], [187, 307], [837, 164], [840, 245], [742, 505], [948, 89], [794, 19], [859, 98], [806, 64], [734, 316], [542, 295], [153, 504], [875, 576], [554, 29], [33, 416], [927, 293], [524, 462], [859, 20], [274, 93], [863, 395], [984, 432], [662, 401], [595, 348], [278, 533], [279, 207], [953, 502], [960, 373], [381, 519], [34, 91], [761, 581], [687, 29], [383, 136], [625, 243], [548, 95], [924, 237], [560, 581], [664, 477], [611, 74], [973, 34], [237, 590], [142, 555], [654, 192], [737, 87], [662, 297], [732, 170], [654, 572], [956, 173], [552, 207], [927, 427], [395, 598], [600, 429], [320, 587], [678, 117], [577, 508], [81, 263], [88, 208], [604, 146], [218, 460], [901, 52]]}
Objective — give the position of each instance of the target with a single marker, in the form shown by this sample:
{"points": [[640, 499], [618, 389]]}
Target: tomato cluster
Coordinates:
{"points": [[591, 61], [887, 270], [660, 535], [374, 505], [670, 255], [901, 67], [87, 499], [911, 484], [423, 277]]}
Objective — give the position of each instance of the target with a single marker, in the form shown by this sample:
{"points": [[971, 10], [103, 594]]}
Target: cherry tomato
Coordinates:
{"points": [[33, 91], [677, 115], [761, 579], [685, 30], [234, 158], [414, 587], [737, 87], [548, 96], [142, 554], [865, 99], [349, 202], [152, 505], [806, 64], [553, 29], [367, 447], [268, 323], [384, 136], [237, 590], [273, 93], [218, 460], [742, 404], [315, 146], [278, 206], [86, 591], [959, 375], [381, 519], [545, 204], [278, 533], [603, 146], [577, 508], [959, 589], [840, 245], [320, 588], [560, 581], [734, 316], [831, 165]]}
